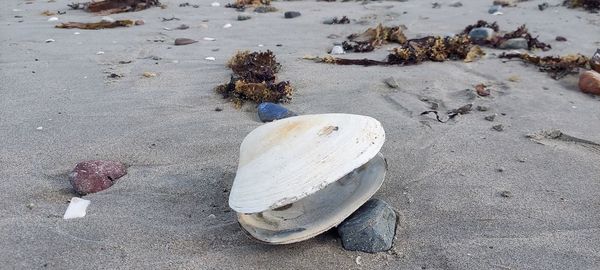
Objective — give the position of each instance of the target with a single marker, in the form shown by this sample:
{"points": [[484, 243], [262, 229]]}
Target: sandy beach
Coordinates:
{"points": [[59, 106]]}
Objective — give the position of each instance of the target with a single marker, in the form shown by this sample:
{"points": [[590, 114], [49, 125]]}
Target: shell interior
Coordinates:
{"points": [[320, 211]]}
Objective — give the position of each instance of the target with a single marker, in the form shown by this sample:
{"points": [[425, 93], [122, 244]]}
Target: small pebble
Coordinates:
{"points": [[358, 260], [391, 82], [215, 4], [456, 4], [76, 33], [210, 58], [291, 14], [218, 109], [184, 41], [30, 206], [589, 82], [53, 19], [337, 50], [209, 39], [149, 74], [506, 194], [371, 228], [228, 25], [40, 128], [95, 175], [139, 22], [212, 216], [108, 19], [515, 44], [490, 117], [49, 40], [482, 108], [498, 127], [505, 3], [265, 9], [500, 169], [243, 17], [100, 53], [494, 9], [268, 112], [481, 33], [560, 38]]}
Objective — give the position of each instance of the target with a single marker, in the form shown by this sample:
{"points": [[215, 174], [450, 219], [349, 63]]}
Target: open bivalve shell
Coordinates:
{"points": [[301, 176]]}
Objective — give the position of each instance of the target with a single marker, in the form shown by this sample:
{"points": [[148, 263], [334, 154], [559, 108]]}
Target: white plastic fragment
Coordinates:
{"points": [[215, 4], [40, 128], [497, 13], [100, 53], [76, 208], [108, 19], [227, 25], [337, 49], [53, 19], [49, 40], [210, 58], [209, 39]]}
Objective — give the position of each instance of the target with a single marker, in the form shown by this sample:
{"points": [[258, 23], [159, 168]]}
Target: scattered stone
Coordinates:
{"points": [[218, 109], [265, 9], [501, 169], [53, 19], [149, 74], [95, 175], [456, 4], [209, 39], [543, 6], [268, 112], [182, 27], [589, 82], [215, 4], [370, 229], [291, 14], [333, 36], [243, 17], [514, 78], [108, 19], [506, 194], [30, 206], [184, 41], [391, 82], [490, 117], [227, 25], [481, 33], [100, 53], [337, 49], [560, 38], [482, 90], [210, 58], [39, 128], [494, 9], [436, 5], [498, 127], [212, 216], [139, 22], [505, 3], [49, 40], [482, 108], [515, 44], [358, 260], [77, 208]]}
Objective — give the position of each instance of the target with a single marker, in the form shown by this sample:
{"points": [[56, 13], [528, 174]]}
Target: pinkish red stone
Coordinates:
{"points": [[95, 175]]}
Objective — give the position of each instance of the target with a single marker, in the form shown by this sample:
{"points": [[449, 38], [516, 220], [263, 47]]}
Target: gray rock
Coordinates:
{"points": [[243, 17], [456, 4], [482, 108], [291, 14], [490, 118], [495, 8], [370, 229], [391, 82], [481, 33], [498, 127], [514, 44]]}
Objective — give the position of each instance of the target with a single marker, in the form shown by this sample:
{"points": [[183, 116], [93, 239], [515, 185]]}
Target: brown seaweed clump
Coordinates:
{"points": [[521, 32], [373, 38], [556, 66], [242, 4], [591, 5], [96, 25], [254, 79], [115, 6]]}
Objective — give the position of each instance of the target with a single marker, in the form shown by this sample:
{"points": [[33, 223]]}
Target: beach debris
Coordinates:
{"points": [[337, 168], [456, 4], [30, 206], [254, 79], [227, 25], [210, 58], [589, 82], [115, 6], [49, 40], [595, 61], [556, 66], [268, 112], [39, 128], [590, 5], [139, 22], [543, 6], [291, 14], [149, 74], [560, 38], [474, 54], [77, 208], [336, 20], [482, 108], [391, 82], [215, 4], [495, 9], [186, 4], [53, 19], [370, 229], [373, 38], [243, 17], [514, 78], [107, 19], [358, 260], [173, 18], [485, 37], [265, 9], [515, 44], [182, 27], [490, 117], [184, 41], [498, 127], [505, 3], [241, 5], [209, 39], [100, 53], [482, 90], [337, 49], [506, 194], [436, 5], [47, 13], [96, 25], [451, 113], [95, 175]]}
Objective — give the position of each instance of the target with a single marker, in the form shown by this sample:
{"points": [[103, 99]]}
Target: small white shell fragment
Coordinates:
{"points": [[100, 53], [16, 10], [108, 19], [76, 208], [497, 13], [40, 128], [215, 4], [49, 40], [337, 49], [358, 260], [210, 58], [53, 19], [228, 25], [76, 33], [209, 39], [261, 45]]}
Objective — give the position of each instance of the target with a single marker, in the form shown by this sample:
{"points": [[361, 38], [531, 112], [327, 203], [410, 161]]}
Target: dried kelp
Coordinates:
{"points": [[556, 66], [591, 5], [521, 32], [96, 25], [254, 79], [242, 4], [373, 38], [115, 6]]}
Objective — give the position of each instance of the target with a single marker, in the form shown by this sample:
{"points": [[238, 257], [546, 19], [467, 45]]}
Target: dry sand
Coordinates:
{"points": [[443, 178]]}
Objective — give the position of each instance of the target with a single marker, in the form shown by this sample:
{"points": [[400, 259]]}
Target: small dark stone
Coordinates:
{"points": [[268, 112], [482, 108], [391, 82], [543, 6], [370, 229], [506, 194], [495, 8], [291, 14], [490, 117], [498, 127], [243, 17], [279, 45], [184, 41], [456, 4], [218, 109], [561, 38], [265, 9], [481, 33], [95, 175]]}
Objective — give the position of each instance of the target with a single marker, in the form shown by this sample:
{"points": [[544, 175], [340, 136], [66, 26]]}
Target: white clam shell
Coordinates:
{"points": [[300, 176]]}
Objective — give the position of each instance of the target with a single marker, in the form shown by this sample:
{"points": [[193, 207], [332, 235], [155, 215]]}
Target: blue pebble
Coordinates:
{"points": [[481, 33], [268, 112]]}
